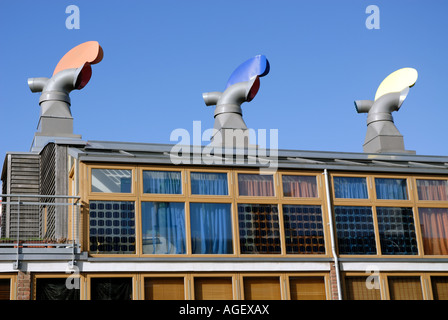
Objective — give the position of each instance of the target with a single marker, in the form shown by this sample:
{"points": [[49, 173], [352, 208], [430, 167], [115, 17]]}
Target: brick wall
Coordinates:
{"points": [[333, 283], [23, 286]]}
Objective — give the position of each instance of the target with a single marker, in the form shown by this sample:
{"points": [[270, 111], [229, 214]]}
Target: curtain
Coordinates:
{"points": [[434, 224], [432, 190], [167, 182], [211, 228], [111, 289], [5, 289], [391, 189], [55, 289], [163, 227], [350, 188], [299, 186], [256, 185], [405, 288], [209, 183]]}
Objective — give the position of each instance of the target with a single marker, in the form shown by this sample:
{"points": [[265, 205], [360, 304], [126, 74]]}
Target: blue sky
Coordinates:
{"points": [[160, 56]]}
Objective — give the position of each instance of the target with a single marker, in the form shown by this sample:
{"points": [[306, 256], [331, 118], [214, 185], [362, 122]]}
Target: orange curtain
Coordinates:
{"points": [[299, 186], [256, 185], [432, 190], [434, 223]]}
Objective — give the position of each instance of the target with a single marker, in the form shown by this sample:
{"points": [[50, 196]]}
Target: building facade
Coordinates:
{"points": [[321, 226]]}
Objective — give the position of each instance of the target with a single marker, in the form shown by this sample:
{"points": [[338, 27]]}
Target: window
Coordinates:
{"points": [[163, 227], [405, 288], [162, 182], [434, 226], [55, 289], [350, 188], [259, 228], [256, 185], [112, 227], [209, 288], [356, 288], [391, 189], [5, 289], [304, 231], [211, 228], [111, 288], [307, 288], [440, 288], [396, 230], [262, 288], [209, 183], [436, 190], [111, 180], [299, 186], [164, 288], [355, 230]]}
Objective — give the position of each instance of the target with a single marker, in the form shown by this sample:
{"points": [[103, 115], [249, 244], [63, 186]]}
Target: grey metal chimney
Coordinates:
{"points": [[73, 72], [242, 86], [382, 135]]}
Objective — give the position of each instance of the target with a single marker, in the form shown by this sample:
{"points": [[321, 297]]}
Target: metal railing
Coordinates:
{"points": [[40, 221]]}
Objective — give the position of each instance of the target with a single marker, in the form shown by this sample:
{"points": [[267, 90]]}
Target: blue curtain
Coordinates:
{"points": [[209, 183], [350, 188], [211, 228], [167, 182], [391, 189], [163, 227]]}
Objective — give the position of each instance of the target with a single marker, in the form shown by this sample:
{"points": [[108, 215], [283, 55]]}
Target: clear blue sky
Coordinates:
{"points": [[160, 56]]}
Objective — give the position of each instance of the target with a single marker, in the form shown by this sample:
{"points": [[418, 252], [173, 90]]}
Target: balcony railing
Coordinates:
{"points": [[39, 224]]}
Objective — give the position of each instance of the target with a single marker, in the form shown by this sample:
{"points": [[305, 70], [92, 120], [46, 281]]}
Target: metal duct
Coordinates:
{"points": [[73, 72], [242, 86], [382, 135]]}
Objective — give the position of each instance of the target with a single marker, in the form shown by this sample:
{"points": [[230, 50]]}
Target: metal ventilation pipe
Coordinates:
{"points": [[55, 98], [228, 112], [382, 135], [242, 86]]}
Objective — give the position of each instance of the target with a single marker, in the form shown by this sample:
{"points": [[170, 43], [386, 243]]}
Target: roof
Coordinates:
{"points": [[149, 153]]}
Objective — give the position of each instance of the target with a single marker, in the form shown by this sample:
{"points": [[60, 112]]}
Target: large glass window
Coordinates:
{"points": [[355, 230], [256, 185], [405, 288], [259, 228], [55, 289], [171, 288], [216, 288], [397, 231], [211, 228], [391, 189], [162, 182], [304, 231], [299, 186], [307, 288], [436, 190], [434, 226], [111, 288], [357, 288], [111, 180], [163, 227], [350, 188], [112, 227], [209, 183]]}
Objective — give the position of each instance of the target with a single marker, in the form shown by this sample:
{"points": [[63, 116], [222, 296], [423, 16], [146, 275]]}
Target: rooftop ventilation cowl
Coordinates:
{"points": [[382, 135], [73, 72], [242, 86]]}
